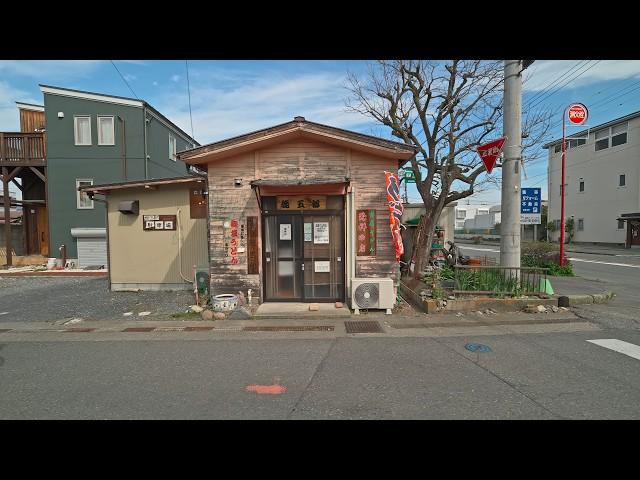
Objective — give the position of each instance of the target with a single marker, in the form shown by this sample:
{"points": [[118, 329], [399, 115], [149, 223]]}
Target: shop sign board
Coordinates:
{"points": [[530, 206], [301, 202], [365, 232], [158, 222]]}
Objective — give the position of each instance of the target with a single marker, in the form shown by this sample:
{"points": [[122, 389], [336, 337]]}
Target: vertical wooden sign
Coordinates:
{"points": [[366, 233], [252, 245]]}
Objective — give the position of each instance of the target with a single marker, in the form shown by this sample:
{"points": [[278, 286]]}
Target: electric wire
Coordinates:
{"points": [[124, 79]]}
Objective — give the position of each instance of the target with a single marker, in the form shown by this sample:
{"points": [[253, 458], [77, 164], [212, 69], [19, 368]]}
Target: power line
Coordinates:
{"points": [[551, 84], [186, 62], [124, 79], [560, 87]]}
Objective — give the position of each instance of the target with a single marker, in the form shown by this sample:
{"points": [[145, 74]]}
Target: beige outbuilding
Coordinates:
{"points": [[156, 232]]}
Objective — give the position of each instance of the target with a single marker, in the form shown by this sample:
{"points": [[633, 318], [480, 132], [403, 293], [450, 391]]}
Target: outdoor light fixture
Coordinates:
{"points": [[238, 182]]}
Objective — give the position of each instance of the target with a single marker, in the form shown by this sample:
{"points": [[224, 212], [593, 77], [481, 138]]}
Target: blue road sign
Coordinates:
{"points": [[530, 201]]}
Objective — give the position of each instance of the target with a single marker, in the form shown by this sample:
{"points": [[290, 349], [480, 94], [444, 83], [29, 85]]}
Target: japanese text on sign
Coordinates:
{"points": [[235, 240], [301, 203], [365, 232], [530, 206], [320, 232], [159, 222]]}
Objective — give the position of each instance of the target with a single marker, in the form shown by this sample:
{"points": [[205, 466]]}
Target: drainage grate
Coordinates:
{"points": [[197, 329], [2, 330], [139, 329], [303, 328], [363, 327], [80, 329]]}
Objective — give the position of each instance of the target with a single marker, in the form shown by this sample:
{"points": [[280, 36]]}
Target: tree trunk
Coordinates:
{"points": [[422, 244]]}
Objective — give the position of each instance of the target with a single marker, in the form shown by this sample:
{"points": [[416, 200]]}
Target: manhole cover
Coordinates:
{"points": [[477, 347], [303, 328], [363, 327]]}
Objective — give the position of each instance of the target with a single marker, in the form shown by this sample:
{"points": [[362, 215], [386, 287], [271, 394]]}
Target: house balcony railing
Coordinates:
{"points": [[22, 149]]}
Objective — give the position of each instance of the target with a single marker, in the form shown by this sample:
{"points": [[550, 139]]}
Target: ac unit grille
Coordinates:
{"points": [[367, 295]]}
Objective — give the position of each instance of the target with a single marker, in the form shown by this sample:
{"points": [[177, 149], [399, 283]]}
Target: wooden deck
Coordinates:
{"points": [[22, 149]]}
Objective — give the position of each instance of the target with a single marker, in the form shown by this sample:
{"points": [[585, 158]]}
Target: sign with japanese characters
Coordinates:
{"points": [[235, 238], [308, 234], [365, 232], [158, 222], [530, 206], [321, 266], [301, 202], [320, 232], [285, 231]]}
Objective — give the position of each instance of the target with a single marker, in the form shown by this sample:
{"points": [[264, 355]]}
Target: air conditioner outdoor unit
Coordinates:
{"points": [[368, 293]]}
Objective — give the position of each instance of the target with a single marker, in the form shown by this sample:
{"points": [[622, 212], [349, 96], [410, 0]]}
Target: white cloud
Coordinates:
{"points": [[175, 78], [257, 102], [9, 117], [544, 72], [141, 63], [128, 77], [46, 70], [155, 84]]}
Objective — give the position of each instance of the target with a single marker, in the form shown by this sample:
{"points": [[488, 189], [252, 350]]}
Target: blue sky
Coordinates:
{"points": [[233, 97]]}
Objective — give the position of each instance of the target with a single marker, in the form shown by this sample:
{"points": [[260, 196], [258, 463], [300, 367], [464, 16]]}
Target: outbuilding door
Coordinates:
{"points": [[634, 231], [304, 257]]}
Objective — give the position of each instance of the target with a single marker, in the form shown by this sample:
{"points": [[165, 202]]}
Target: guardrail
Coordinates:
{"points": [[499, 280]]}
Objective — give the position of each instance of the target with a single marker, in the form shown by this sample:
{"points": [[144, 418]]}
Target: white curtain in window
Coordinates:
{"points": [[105, 130], [83, 130]]}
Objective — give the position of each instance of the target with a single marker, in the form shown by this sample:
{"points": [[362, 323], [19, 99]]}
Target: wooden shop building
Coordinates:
{"points": [[284, 209]]}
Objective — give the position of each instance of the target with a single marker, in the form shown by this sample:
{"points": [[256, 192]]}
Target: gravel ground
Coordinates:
{"points": [[42, 299]]}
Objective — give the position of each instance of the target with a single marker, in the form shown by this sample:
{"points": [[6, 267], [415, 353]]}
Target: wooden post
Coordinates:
{"points": [[7, 214]]}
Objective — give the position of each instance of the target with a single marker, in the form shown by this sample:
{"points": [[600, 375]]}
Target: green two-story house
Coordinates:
{"points": [[92, 138]]}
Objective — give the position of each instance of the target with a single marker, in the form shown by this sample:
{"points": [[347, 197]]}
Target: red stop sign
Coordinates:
{"points": [[578, 113]]}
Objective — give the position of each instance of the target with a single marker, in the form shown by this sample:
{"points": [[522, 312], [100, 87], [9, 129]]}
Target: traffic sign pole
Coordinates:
{"points": [[577, 114]]}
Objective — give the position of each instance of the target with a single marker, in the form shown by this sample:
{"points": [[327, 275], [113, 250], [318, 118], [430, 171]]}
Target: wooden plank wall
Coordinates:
{"points": [[30, 120], [304, 160], [367, 177]]}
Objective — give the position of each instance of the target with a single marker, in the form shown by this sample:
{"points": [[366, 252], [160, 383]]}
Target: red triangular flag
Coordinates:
{"points": [[489, 152]]}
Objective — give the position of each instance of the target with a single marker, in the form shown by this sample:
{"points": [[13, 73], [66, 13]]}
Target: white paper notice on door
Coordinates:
{"points": [[321, 266], [307, 232], [285, 231], [320, 232]]}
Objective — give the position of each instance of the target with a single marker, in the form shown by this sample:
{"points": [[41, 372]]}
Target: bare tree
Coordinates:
{"points": [[445, 109]]}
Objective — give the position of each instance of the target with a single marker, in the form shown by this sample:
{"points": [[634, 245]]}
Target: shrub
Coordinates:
{"points": [[545, 255]]}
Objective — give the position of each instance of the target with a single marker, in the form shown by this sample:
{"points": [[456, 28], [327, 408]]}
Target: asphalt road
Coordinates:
{"points": [[534, 376]]}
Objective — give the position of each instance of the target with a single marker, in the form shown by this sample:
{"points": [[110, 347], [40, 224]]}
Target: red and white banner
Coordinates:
{"points": [[395, 210]]}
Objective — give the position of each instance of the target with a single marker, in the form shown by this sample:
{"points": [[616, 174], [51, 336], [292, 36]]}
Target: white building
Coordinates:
{"points": [[602, 168], [466, 213]]}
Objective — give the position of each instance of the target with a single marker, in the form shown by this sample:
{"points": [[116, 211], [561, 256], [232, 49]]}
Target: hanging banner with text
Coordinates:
{"points": [[366, 232], [395, 211], [530, 206]]}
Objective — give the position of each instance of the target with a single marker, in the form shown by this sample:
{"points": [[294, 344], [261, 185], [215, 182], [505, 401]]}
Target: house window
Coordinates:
{"points": [[557, 222], [619, 135], [82, 130], [620, 224], [106, 134], [576, 143], [83, 201], [602, 139], [581, 185], [622, 180], [557, 148], [461, 214], [580, 224], [483, 211], [172, 148]]}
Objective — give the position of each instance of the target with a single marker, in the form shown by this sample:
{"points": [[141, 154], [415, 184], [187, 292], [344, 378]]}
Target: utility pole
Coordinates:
{"points": [[512, 128]]}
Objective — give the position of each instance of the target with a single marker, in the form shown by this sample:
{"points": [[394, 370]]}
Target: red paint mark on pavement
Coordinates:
{"points": [[274, 389]]}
